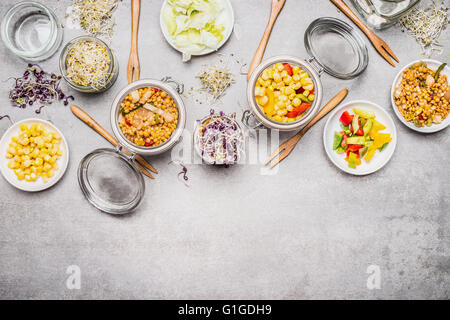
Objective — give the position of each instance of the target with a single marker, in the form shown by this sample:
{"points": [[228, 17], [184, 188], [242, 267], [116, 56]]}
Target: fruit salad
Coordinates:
{"points": [[360, 137]]}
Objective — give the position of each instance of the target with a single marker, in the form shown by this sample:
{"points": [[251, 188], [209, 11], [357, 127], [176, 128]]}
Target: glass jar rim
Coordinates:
{"points": [[63, 58], [5, 23]]}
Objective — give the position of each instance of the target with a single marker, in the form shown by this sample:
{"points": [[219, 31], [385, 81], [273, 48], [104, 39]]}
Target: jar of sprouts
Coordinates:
{"points": [[88, 65]]}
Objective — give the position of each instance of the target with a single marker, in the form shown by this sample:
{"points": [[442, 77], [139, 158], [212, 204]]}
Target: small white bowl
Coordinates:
{"points": [[380, 159], [432, 64], [227, 17], [39, 184]]}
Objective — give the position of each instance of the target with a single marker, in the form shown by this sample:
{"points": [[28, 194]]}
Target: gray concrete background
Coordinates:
{"points": [[310, 231]]}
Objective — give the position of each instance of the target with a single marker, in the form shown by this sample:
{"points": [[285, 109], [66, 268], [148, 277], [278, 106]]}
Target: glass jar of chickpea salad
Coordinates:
{"points": [[148, 116]]}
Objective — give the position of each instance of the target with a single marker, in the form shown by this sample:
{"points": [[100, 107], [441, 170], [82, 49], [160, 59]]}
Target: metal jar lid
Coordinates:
{"points": [[336, 47], [111, 181]]}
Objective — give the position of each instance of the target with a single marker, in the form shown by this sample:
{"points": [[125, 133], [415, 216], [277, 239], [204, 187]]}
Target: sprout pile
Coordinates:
{"points": [[216, 80], [220, 139], [37, 87], [95, 16], [426, 25], [88, 64]]}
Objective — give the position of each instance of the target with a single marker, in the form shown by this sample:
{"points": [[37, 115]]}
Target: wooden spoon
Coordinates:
{"points": [[383, 49], [286, 147], [277, 5], [86, 118], [133, 61]]}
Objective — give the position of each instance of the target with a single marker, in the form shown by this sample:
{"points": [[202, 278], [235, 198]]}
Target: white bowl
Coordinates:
{"points": [[380, 159], [432, 64], [227, 17], [39, 184]]}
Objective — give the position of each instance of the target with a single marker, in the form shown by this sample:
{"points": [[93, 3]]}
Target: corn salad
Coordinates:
{"points": [[284, 92], [148, 117], [34, 153], [421, 99]]}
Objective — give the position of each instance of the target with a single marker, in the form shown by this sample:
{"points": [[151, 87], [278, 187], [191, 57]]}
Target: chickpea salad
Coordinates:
{"points": [[422, 96], [148, 117]]}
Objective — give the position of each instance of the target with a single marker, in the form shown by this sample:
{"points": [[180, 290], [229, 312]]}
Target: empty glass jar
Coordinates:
{"points": [[31, 31], [380, 14]]}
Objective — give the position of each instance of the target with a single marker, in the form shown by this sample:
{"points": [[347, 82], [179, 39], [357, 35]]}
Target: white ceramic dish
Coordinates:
{"points": [[380, 159], [39, 184], [226, 18], [432, 64]]}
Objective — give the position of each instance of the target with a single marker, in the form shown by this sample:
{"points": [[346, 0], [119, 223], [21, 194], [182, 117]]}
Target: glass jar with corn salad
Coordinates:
{"points": [[88, 65], [422, 96], [284, 92]]}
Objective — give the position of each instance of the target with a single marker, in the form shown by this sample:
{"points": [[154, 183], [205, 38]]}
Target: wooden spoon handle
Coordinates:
{"points": [[322, 113], [349, 13], [275, 11], [135, 9], [83, 116]]}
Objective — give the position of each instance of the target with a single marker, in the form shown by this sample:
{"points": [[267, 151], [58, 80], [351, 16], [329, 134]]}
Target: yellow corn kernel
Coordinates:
{"points": [[23, 127], [51, 173], [27, 163], [277, 77], [296, 102], [288, 91], [12, 164], [264, 100], [287, 80], [296, 69], [9, 155], [311, 97]]}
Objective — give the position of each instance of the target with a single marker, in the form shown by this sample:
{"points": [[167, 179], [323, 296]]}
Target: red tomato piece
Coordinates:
{"points": [[288, 69], [298, 110], [346, 118]]}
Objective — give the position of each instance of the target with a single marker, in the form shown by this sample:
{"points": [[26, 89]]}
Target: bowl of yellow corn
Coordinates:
{"points": [[34, 155], [283, 93]]}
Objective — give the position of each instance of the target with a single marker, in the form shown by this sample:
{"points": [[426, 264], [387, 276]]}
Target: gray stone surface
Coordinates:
{"points": [[308, 231]]}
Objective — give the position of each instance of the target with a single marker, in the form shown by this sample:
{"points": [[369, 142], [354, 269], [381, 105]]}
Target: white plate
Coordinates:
{"points": [[226, 17], [433, 65], [39, 184], [380, 159]]}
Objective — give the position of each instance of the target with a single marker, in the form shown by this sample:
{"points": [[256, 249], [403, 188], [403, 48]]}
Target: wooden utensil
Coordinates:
{"points": [[377, 42], [139, 160], [133, 61], [286, 147], [277, 5]]}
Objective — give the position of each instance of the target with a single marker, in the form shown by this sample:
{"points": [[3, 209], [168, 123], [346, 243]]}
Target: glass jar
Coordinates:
{"points": [[380, 14], [111, 75], [31, 31]]}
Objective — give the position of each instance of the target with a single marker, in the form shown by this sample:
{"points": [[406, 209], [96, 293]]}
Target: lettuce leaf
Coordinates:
{"points": [[192, 24]]}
